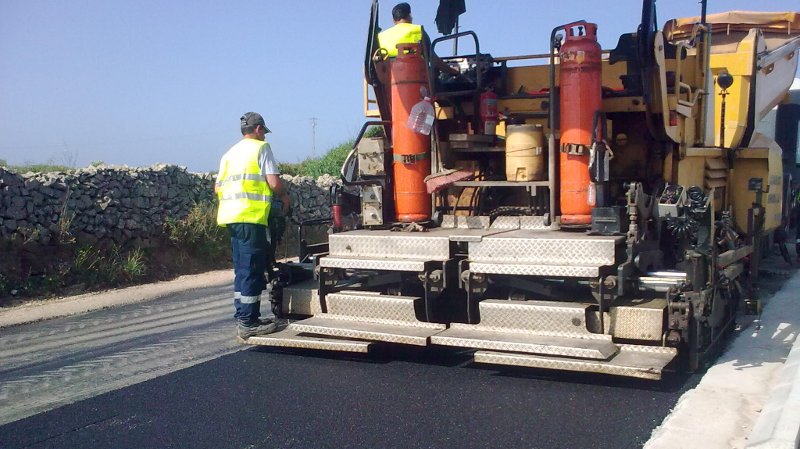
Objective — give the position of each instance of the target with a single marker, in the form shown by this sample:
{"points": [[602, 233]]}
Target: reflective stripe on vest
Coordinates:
{"points": [[244, 195], [401, 33], [240, 177]]}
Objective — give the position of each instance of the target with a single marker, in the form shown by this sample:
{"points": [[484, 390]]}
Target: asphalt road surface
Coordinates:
{"points": [[51, 363], [426, 399], [205, 391], [169, 373]]}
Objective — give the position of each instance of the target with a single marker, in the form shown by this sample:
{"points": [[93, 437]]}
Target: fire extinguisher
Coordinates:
{"points": [[488, 112]]}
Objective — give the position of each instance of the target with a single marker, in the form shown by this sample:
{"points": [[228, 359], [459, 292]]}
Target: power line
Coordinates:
{"points": [[313, 136]]}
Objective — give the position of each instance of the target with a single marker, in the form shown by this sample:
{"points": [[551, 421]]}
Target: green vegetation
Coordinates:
{"points": [[39, 168], [198, 233], [190, 244], [330, 163], [109, 268]]}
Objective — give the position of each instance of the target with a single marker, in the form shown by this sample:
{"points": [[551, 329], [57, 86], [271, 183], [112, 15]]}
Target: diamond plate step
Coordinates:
{"points": [[384, 244], [289, 338], [529, 269], [643, 362], [555, 318], [335, 326], [467, 336], [370, 306], [361, 263], [546, 247], [534, 327]]}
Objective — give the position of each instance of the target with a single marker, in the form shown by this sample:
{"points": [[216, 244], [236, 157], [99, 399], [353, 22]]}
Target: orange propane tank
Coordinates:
{"points": [[411, 150], [580, 92]]}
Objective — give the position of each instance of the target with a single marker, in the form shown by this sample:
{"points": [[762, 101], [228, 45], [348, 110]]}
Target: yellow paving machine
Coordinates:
{"points": [[584, 210]]}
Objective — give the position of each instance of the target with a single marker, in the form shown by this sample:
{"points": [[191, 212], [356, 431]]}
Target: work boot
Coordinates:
{"points": [[262, 328], [281, 323]]}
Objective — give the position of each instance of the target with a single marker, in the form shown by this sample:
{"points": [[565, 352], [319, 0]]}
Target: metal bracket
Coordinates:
{"points": [[410, 158], [575, 149]]}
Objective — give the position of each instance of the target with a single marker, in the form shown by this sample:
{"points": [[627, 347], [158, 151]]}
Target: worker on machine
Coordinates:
{"points": [[404, 31]]}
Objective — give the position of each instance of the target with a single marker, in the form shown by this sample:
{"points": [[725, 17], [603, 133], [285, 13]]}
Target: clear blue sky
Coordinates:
{"points": [[139, 82]]}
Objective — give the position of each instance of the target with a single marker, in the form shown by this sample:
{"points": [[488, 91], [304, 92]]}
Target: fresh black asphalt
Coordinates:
{"points": [[396, 398]]}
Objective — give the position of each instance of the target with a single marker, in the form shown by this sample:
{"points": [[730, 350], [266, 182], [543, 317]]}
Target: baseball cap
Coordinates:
{"points": [[252, 119]]}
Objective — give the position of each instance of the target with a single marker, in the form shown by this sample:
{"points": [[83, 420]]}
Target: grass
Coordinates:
{"points": [[330, 163], [189, 244], [198, 233]]}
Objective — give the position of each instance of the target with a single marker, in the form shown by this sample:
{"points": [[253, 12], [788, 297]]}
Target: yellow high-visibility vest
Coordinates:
{"points": [[401, 33], [243, 192]]}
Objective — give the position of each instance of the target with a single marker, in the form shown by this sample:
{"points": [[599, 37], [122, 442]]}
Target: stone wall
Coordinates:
{"points": [[121, 203]]}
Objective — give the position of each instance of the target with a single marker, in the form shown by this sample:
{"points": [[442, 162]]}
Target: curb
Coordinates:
{"points": [[778, 424]]}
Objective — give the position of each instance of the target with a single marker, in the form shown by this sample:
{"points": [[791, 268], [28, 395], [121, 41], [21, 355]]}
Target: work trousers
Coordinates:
{"points": [[250, 249]]}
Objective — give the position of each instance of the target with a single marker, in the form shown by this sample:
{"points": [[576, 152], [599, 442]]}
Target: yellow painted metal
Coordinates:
{"points": [[764, 163], [740, 65]]}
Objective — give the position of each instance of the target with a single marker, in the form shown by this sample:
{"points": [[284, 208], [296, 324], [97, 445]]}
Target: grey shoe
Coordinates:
{"points": [[263, 328]]}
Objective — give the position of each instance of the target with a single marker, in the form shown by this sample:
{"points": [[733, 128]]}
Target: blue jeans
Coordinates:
{"points": [[250, 252]]}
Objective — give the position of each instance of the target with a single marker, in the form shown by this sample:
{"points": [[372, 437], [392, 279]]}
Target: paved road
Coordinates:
{"points": [[57, 362], [168, 373], [262, 398], [397, 397]]}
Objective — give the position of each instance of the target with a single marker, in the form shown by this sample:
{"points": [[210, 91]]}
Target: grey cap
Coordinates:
{"points": [[252, 119]]}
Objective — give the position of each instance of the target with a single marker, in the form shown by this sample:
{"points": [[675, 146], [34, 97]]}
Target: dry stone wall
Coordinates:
{"points": [[121, 203]]}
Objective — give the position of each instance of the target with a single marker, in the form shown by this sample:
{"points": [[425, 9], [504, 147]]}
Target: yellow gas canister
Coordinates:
{"points": [[525, 153]]}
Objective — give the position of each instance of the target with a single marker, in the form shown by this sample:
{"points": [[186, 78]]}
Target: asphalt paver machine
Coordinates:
{"points": [[585, 209]]}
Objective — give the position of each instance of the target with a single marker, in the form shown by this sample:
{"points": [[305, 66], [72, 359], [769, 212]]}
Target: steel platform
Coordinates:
{"points": [[643, 362], [544, 252], [290, 338]]}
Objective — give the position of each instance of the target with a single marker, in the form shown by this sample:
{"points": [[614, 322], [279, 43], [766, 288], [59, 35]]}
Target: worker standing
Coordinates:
{"points": [[247, 182]]}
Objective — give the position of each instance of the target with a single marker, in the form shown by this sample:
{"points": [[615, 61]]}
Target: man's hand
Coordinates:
{"points": [[286, 203]]}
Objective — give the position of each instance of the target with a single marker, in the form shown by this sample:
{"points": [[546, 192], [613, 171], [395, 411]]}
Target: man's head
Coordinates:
{"points": [[253, 125], [401, 13]]}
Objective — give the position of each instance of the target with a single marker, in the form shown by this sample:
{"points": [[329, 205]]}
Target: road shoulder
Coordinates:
{"points": [[72, 305]]}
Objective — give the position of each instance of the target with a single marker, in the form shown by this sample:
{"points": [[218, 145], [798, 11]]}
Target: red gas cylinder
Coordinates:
{"points": [[488, 113], [411, 150], [580, 81]]}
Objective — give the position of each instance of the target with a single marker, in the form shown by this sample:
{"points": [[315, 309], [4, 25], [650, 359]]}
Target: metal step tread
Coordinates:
{"points": [[643, 362], [535, 269], [588, 348], [405, 333], [366, 263], [372, 306], [378, 244], [289, 338], [546, 248], [557, 318]]}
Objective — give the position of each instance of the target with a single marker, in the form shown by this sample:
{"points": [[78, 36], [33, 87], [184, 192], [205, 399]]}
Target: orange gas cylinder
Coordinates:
{"points": [[411, 150], [580, 92]]}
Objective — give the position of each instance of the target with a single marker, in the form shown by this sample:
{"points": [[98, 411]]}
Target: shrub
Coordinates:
{"points": [[289, 168], [330, 163], [134, 265], [39, 168], [198, 233]]}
